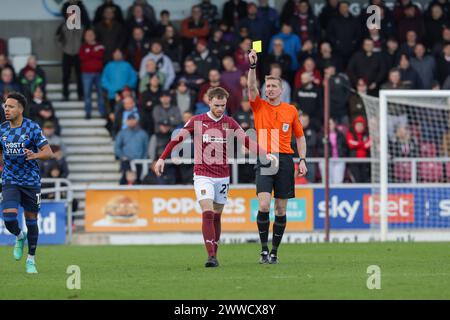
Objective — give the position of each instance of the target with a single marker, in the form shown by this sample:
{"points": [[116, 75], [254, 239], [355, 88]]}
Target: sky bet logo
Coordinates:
{"points": [[400, 208]]}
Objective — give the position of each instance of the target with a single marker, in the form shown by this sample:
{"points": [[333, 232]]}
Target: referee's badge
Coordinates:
{"points": [[285, 127]]}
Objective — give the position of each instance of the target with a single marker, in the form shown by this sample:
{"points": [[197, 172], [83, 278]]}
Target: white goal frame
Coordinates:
{"points": [[384, 144]]}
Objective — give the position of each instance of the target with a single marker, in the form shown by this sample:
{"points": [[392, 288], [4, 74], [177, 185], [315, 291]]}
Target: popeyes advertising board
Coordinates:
{"points": [[177, 210]]}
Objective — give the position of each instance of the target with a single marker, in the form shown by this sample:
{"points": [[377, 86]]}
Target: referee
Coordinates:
{"points": [[275, 122]]}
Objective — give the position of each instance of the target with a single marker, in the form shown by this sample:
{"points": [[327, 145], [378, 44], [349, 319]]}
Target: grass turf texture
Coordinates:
{"points": [[306, 271]]}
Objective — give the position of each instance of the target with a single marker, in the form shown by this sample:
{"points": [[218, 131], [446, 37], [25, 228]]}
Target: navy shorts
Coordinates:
{"points": [[28, 197]]}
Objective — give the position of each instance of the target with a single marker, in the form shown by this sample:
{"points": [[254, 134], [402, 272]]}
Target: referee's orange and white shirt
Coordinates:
{"points": [[283, 117]]}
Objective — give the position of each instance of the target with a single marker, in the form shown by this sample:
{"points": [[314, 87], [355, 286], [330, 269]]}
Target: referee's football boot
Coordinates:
{"points": [[18, 247], [212, 262], [273, 258], [264, 258]]}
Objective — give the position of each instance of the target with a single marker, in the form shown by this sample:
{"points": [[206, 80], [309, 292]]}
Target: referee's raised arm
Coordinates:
{"points": [[251, 79]]}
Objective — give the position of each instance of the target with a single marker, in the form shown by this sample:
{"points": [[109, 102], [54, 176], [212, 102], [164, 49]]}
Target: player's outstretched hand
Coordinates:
{"points": [[252, 57], [302, 170], [272, 159], [30, 155], [159, 167]]}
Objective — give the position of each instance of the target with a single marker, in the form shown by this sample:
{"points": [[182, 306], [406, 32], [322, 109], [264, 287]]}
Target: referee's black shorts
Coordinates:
{"points": [[282, 183]]}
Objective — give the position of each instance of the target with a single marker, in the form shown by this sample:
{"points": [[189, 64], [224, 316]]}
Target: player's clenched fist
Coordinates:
{"points": [[252, 57], [159, 167]]}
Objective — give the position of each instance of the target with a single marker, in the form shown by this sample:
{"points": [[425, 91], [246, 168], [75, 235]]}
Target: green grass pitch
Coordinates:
{"points": [[306, 271]]}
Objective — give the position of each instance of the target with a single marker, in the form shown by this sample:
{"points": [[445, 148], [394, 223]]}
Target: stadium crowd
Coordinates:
{"points": [[151, 73]]}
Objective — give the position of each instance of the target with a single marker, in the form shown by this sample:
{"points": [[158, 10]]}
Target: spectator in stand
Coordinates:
{"points": [[291, 44], [185, 98], [259, 29], [402, 146], [70, 42], [425, 65], [339, 84], [172, 47], [228, 35], [387, 22], [399, 10], [344, 33], [131, 178], [193, 79], [394, 81], [30, 82], [193, 29], [4, 63], [151, 71], [278, 56], [308, 51], [241, 54], [327, 58], [359, 142], [166, 110], [111, 33], [202, 106], [379, 42], [337, 146], [210, 12], [91, 61], [305, 24], [329, 12], [122, 111], [233, 12], [215, 80], [391, 54], [32, 63], [139, 20], [369, 65], [138, 48], [435, 22], [85, 20], [243, 92], [218, 46], [163, 63], [131, 143], [55, 167], [309, 66], [275, 71], [439, 46], [115, 9], [409, 76], [270, 15], [49, 131], [308, 98], [148, 100], [7, 83], [149, 11], [444, 4], [411, 21], [117, 75], [411, 42], [356, 103], [230, 75], [164, 22], [203, 58], [311, 143], [443, 64], [41, 110]]}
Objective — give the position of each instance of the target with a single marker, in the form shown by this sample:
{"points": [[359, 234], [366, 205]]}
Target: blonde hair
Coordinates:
{"points": [[217, 92], [269, 77]]}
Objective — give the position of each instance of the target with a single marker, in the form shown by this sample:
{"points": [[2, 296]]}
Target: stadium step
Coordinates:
{"points": [[94, 167], [90, 158], [76, 149], [64, 114], [58, 87], [82, 123], [88, 140], [85, 132], [89, 177], [68, 105], [73, 96]]}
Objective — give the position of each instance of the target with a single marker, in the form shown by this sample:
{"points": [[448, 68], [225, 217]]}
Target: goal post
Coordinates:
{"points": [[411, 172]]}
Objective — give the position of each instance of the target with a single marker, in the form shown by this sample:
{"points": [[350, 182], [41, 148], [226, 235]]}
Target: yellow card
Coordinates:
{"points": [[257, 46]]}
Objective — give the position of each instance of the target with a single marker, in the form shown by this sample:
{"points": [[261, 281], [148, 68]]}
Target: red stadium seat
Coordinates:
{"points": [[430, 171], [402, 171]]}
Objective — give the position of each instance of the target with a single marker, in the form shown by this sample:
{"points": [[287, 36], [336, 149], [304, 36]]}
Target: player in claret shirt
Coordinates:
{"points": [[22, 144], [211, 170]]}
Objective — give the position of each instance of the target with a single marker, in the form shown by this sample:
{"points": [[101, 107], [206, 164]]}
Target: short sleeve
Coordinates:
{"points": [[256, 104], [297, 126], [38, 137]]}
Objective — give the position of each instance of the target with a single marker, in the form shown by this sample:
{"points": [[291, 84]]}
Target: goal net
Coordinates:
{"points": [[410, 132]]}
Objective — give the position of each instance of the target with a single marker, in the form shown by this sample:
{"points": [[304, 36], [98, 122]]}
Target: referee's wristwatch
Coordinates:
{"points": [[302, 159]]}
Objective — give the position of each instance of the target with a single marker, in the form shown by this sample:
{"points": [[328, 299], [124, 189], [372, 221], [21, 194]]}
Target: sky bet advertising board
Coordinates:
{"points": [[407, 208], [51, 222]]}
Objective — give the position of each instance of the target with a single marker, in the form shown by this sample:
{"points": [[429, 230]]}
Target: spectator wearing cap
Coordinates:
{"points": [[193, 79], [193, 29], [233, 12], [425, 65], [91, 60], [278, 56], [411, 21], [131, 143], [138, 19], [184, 97], [41, 110], [409, 76], [308, 98], [151, 71], [326, 58], [138, 48], [49, 131], [166, 110], [163, 63], [7, 83], [128, 108], [203, 58], [32, 63], [164, 22], [149, 11], [291, 44], [172, 47], [114, 8], [258, 27], [117, 75], [111, 32], [210, 12]]}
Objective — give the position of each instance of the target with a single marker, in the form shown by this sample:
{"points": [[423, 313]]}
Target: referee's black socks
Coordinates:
{"points": [[263, 222], [11, 223], [278, 230]]}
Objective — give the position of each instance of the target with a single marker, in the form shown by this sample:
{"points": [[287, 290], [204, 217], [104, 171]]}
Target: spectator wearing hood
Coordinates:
{"points": [[359, 143]]}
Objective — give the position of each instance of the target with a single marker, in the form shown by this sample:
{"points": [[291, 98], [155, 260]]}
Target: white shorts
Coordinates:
{"points": [[215, 189]]}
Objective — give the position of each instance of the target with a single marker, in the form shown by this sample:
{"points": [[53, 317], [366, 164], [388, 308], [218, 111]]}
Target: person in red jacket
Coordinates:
{"points": [[91, 61], [359, 143], [193, 28]]}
